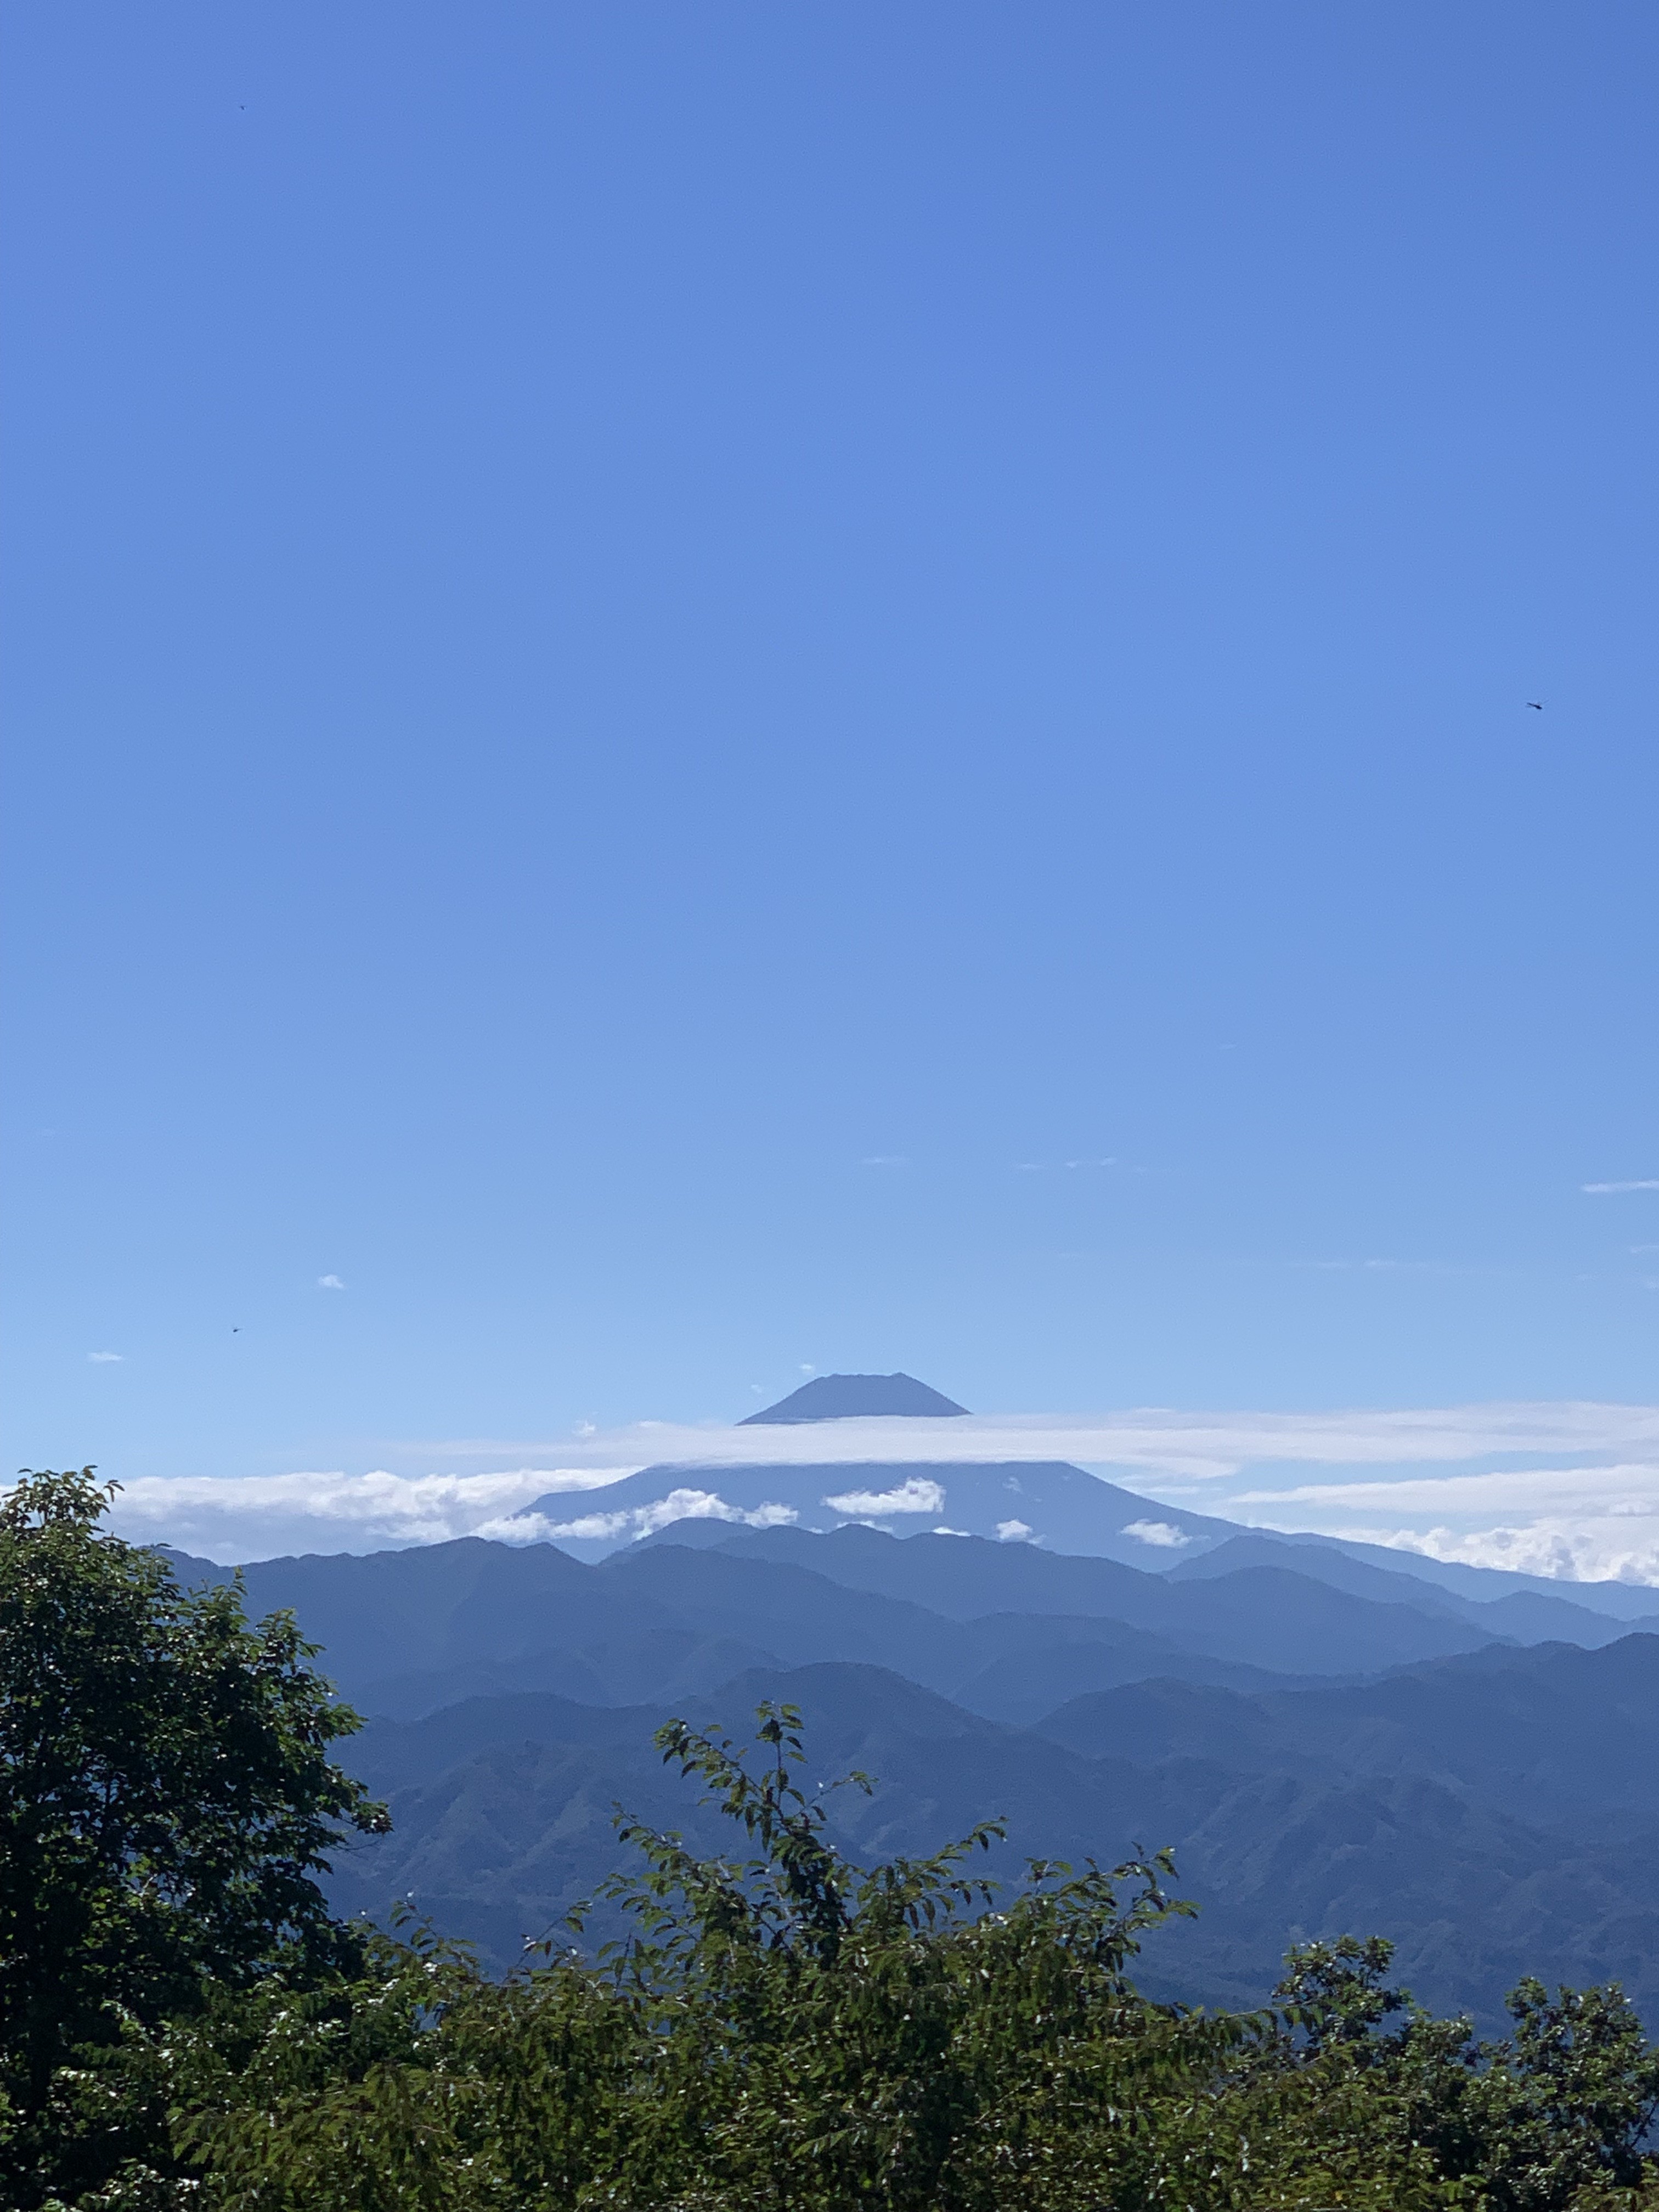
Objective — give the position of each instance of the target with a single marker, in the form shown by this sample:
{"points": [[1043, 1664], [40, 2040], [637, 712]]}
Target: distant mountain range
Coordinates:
{"points": [[1333, 1738], [1046, 1503]]}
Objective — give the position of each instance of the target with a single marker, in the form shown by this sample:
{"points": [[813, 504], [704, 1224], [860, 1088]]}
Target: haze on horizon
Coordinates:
{"points": [[697, 696]]}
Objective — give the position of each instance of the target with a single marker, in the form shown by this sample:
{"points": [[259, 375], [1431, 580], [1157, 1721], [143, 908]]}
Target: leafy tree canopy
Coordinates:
{"points": [[785, 2030], [166, 1803]]}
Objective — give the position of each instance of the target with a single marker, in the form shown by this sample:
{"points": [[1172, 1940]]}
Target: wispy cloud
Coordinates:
{"points": [[1178, 1449], [1611, 1189], [106, 1358], [636, 1520], [1630, 1490], [330, 1283], [254, 1516]]}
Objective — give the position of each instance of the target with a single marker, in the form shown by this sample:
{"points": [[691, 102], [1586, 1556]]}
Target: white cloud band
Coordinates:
{"points": [[1576, 1482]]}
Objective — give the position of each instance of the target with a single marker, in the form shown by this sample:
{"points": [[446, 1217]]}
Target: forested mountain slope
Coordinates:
{"points": [[1293, 1815], [1008, 1629], [1327, 1750]]}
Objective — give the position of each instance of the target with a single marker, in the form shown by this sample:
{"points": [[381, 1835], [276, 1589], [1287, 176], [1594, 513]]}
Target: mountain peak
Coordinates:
{"points": [[846, 1397]]}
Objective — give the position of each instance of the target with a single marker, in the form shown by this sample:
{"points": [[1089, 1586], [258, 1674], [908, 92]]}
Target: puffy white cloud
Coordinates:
{"points": [[1014, 1532], [536, 1528], [228, 1517], [917, 1495], [1584, 1523], [1594, 1550], [1163, 1533]]}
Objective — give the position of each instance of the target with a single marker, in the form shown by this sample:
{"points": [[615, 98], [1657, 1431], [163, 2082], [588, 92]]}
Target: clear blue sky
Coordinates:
{"points": [[660, 656]]}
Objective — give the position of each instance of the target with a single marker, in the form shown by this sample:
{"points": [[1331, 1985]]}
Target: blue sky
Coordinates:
{"points": [[693, 691]]}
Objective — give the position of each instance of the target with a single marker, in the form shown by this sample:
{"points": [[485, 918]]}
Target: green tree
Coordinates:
{"points": [[1551, 2118], [783, 2032], [167, 1802]]}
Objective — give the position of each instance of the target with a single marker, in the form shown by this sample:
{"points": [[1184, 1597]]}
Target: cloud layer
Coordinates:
{"points": [[1197, 1447], [227, 1518], [1595, 1524], [1565, 1488]]}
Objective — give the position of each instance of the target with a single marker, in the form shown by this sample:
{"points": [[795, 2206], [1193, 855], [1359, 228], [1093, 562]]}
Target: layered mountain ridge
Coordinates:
{"points": [[1048, 1503], [1333, 1741]]}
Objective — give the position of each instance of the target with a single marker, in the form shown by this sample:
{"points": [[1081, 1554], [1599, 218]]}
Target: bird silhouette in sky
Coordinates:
{"points": [[1537, 705]]}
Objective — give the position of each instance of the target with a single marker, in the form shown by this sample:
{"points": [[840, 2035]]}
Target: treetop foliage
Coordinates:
{"points": [[167, 1805]]}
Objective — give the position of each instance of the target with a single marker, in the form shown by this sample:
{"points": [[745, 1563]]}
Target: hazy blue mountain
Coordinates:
{"points": [[1006, 1629], [1011, 1631], [1256, 1547], [1552, 1733], [1492, 1807], [848, 1397], [403, 1633], [1006, 1665], [1036, 1659], [958, 1575], [1627, 1601], [1526, 1615], [1046, 1502], [1065, 1508], [1050, 1504], [502, 1810], [927, 1614], [1532, 1617], [407, 1632], [1257, 1616]]}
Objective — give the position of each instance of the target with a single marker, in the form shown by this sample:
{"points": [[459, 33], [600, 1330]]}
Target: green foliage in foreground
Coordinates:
{"points": [[167, 1801], [783, 2030]]}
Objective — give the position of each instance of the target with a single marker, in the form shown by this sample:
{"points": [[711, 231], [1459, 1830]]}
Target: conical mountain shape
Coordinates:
{"points": [[850, 1397]]}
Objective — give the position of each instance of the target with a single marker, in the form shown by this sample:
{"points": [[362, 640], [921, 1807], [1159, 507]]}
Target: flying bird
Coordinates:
{"points": [[1537, 705]]}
